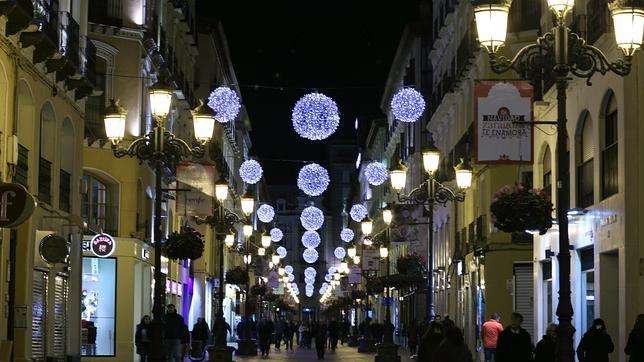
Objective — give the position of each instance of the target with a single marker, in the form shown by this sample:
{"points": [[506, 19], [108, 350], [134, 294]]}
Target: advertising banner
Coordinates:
{"points": [[196, 182], [355, 274], [370, 259], [501, 109]]}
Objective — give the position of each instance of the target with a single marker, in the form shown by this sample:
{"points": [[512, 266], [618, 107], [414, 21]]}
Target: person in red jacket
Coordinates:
{"points": [[490, 336]]}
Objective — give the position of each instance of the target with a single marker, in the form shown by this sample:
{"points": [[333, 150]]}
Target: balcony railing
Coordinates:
{"points": [[89, 65], [22, 167], [70, 38], [65, 191], [46, 16], [44, 181]]}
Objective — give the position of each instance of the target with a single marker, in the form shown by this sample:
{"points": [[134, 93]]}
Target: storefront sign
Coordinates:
{"points": [[53, 249], [501, 109], [102, 245], [16, 205]]}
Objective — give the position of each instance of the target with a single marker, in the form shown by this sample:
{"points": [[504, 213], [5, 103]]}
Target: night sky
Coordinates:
{"points": [[282, 50]]}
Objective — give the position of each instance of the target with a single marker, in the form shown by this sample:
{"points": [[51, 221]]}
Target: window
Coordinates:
{"points": [[586, 258], [610, 178], [548, 312], [47, 147], [98, 306], [585, 196], [97, 208], [546, 167]]}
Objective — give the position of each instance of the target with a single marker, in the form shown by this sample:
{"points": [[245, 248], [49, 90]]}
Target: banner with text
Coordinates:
{"points": [[501, 110], [196, 184]]}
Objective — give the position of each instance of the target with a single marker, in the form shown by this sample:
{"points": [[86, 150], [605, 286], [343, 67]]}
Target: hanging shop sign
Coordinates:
{"points": [[501, 110], [102, 245], [54, 249], [16, 204], [196, 185]]}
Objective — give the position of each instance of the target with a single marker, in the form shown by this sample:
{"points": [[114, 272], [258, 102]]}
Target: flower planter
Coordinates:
{"points": [[237, 276], [519, 209], [186, 244]]}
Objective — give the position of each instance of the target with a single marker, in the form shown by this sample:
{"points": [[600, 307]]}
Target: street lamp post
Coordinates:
{"points": [[246, 345], [159, 147], [430, 193], [557, 54]]}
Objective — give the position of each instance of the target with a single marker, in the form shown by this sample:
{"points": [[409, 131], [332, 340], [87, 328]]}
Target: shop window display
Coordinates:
{"points": [[98, 307]]}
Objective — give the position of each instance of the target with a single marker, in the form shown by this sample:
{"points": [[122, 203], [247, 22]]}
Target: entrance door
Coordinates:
{"points": [[523, 294]]}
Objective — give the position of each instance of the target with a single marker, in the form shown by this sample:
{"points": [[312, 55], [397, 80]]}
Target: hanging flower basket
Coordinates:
{"points": [[186, 244], [375, 286], [258, 289], [519, 208], [237, 275], [411, 263]]}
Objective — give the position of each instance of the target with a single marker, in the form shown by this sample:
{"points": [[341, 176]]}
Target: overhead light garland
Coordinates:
{"points": [[358, 212], [265, 213], [347, 235], [313, 179], [312, 218], [407, 105], [310, 255], [276, 234], [376, 173], [288, 269], [309, 280], [315, 116], [281, 251], [311, 239], [310, 271], [225, 102], [250, 171], [339, 252]]}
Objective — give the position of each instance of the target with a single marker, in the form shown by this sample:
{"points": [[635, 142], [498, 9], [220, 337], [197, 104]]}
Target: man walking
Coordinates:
{"points": [[490, 336], [333, 330], [514, 342], [173, 332]]}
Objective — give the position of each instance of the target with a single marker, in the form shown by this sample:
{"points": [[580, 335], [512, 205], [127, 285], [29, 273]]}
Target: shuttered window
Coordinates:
{"points": [[610, 178], [39, 315], [585, 195], [523, 294], [60, 318]]}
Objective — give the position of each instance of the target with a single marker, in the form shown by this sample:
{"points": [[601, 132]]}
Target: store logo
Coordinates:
{"points": [[16, 205], [102, 245]]}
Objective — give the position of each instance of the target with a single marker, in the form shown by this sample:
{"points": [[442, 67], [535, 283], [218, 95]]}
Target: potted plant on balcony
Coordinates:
{"points": [[520, 208], [237, 275], [411, 263], [185, 244], [258, 289]]}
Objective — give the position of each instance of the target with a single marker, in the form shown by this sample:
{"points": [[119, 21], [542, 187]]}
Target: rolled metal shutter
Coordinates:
{"points": [[60, 319], [39, 316], [524, 295]]}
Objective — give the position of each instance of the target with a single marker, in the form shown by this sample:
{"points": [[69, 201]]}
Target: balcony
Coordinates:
{"points": [[21, 175], [45, 39], [106, 12], [44, 181]]}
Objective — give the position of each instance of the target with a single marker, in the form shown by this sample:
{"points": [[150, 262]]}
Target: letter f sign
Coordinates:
{"points": [[4, 203]]}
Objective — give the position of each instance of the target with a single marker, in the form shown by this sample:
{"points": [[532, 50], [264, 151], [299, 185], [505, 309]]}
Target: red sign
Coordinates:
{"points": [[16, 205], [102, 245]]}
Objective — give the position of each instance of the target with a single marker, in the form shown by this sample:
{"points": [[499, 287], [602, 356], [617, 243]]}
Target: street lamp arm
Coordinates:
{"points": [[441, 194], [222, 224], [418, 195], [169, 149], [528, 59], [586, 60]]}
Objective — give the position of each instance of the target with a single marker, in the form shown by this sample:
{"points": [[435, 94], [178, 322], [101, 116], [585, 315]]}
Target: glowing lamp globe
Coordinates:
{"points": [[367, 242], [266, 241], [225, 102], [492, 24], [248, 258], [280, 271], [309, 280], [407, 105], [291, 277], [431, 158], [629, 27], [332, 269], [311, 239], [328, 277], [384, 252], [351, 251], [315, 116], [250, 171], [376, 173], [114, 121], [339, 252], [313, 179], [367, 226], [356, 259], [203, 119], [281, 252], [358, 212], [463, 174], [160, 99], [312, 218], [275, 259], [310, 255], [247, 230], [346, 235], [247, 203], [387, 215], [261, 251], [221, 190], [336, 275], [561, 7], [398, 176], [265, 213], [344, 266], [276, 234], [229, 240]]}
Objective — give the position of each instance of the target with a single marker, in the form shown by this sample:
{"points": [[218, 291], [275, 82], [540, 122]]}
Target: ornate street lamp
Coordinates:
{"points": [[557, 54], [366, 226], [159, 147]]}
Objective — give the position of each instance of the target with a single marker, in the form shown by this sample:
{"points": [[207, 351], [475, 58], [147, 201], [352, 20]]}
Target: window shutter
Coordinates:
{"points": [[547, 161], [587, 145]]}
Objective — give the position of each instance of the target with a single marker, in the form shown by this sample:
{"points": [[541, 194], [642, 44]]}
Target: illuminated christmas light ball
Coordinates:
{"points": [[310, 255], [309, 293], [376, 173], [328, 277], [313, 179], [309, 280], [288, 269], [339, 252], [281, 251], [311, 239], [276, 234], [332, 270], [358, 212], [312, 218], [225, 102], [346, 235], [291, 277], [310, 271], [407, 105], [250, 171], [315, 116], [266, 213]]}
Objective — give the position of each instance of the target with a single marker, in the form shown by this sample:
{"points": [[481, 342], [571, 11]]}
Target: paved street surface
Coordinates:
{"points": [[342, 353]]}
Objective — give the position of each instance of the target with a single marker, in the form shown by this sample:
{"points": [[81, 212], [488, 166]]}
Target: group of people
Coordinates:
{"points": [[268, 332], [513, 343]]}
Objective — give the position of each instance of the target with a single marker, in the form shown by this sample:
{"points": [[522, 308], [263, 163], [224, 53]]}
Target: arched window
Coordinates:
{"points": [[25, 130], [546, 168], [67, 161], [99, 207], [610, 178], [47, 152], [586, 150]]}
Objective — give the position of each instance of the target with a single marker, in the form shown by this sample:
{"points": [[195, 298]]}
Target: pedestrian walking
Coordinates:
{"points": [[452, 348], [490, 336], [447, 323], [320, 332], [305, 334], [264, 333], [430, 342], [173, 329], [545, 351], [596, 344], [365, 328], [514, 342], [412, 337], [280, 327], [333, 330], [220, 329], [200, 337], [185, 341], [288, 335], [142, 338], [635, 345]]}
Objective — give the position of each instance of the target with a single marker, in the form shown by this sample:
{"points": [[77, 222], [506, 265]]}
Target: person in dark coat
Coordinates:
{"points": [[334, 331], [430, 341], [635, 345], [596, 344], [288, 334], [452, 348], [142, 338], [200, 336], [173, 329], [545, 351], [264, 334], [514, 342], [412, 337], [319, 333], [365, 328]]}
